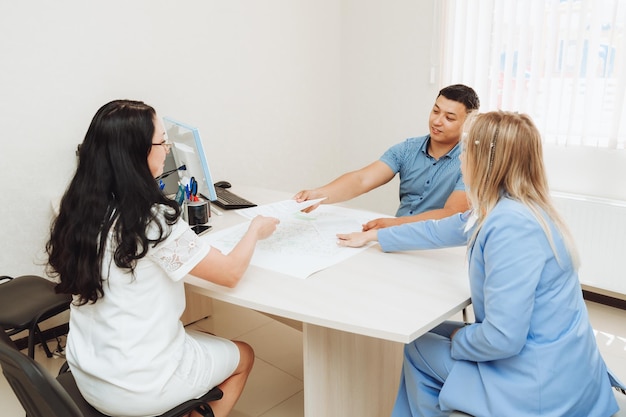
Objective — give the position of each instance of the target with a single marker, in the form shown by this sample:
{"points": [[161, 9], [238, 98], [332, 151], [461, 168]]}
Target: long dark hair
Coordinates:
{"points": [[112, 193]]}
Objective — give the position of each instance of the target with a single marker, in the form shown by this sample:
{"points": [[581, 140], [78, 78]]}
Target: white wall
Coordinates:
{"points": [[291, 93], [259, 78], [385, 84]]}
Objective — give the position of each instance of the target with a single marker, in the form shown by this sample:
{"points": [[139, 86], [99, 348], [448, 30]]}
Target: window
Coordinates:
{"points": [[561, 61]]}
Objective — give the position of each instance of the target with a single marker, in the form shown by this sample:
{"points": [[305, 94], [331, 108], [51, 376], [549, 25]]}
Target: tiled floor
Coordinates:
{"points": [[275, 387]]}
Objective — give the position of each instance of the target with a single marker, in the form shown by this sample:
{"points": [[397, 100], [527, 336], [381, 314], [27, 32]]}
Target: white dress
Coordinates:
{"points": [[129, 352]]}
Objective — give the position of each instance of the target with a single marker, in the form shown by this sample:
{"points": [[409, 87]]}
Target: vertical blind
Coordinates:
{"points": [[563, 62]]}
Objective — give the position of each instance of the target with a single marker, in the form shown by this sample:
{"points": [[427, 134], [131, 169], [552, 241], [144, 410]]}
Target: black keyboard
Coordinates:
{"points": [[228, 200]]}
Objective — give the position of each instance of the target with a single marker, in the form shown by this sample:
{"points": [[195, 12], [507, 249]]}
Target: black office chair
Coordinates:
{"points": [[43, 396], [25, 302]]}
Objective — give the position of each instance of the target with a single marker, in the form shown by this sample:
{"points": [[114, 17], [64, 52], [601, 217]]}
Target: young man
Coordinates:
{"points": [[431, 184]]}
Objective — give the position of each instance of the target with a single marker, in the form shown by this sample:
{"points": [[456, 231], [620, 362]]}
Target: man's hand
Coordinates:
{"points": [[305, 195], [381, 223]]}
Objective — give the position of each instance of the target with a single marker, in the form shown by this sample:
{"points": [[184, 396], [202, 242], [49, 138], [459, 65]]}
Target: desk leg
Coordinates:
{"points": [[346, 374]]}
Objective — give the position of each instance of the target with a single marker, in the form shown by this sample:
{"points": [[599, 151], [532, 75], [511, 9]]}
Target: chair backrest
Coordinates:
{"points": [[38, 392]]}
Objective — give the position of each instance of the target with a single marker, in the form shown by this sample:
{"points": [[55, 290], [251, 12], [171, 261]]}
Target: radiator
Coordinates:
{"points": [[599, 229]]}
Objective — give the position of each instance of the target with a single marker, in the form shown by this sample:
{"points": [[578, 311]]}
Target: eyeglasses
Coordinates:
{"points": [[166, 144]]}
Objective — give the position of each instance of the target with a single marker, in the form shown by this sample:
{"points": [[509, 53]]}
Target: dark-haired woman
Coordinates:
{"points": [[121, 248]]}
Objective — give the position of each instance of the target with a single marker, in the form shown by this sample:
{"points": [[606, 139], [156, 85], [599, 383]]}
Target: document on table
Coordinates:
{"points": [[304, 243]]}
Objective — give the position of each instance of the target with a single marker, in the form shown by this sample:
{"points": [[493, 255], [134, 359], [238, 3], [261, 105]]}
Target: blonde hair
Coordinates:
{"points": [[504, 156]]}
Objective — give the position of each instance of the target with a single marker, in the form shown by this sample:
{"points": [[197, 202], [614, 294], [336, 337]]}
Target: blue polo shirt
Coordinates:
{"points": [[425, 182]]}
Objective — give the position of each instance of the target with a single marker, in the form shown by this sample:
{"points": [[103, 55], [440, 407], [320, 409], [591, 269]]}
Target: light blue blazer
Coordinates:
{"points": [[531, 350]]}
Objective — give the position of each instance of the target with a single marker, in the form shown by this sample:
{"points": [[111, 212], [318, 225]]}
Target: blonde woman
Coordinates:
{"points": [[531, 350]]}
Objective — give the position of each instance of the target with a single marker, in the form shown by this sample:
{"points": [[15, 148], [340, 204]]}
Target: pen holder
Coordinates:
{"points": [[197, 212]]}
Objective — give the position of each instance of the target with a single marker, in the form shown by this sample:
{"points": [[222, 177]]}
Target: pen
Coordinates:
{"points": [[193, 189]]}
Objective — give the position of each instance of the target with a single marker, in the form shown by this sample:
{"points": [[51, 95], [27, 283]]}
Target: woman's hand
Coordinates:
{"points": [[263, 226], [228, 269], [357, 239]]}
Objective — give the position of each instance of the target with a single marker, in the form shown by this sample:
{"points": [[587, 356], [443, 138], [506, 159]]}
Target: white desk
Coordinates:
{"points": [[356, 315]]}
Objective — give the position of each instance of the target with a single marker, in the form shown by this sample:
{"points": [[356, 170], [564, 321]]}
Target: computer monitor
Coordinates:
{"points": [[187, 150]]}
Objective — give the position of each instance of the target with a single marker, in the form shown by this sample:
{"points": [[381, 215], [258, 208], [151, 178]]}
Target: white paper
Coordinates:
{"points": [[281, 209], [304, 243]]}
